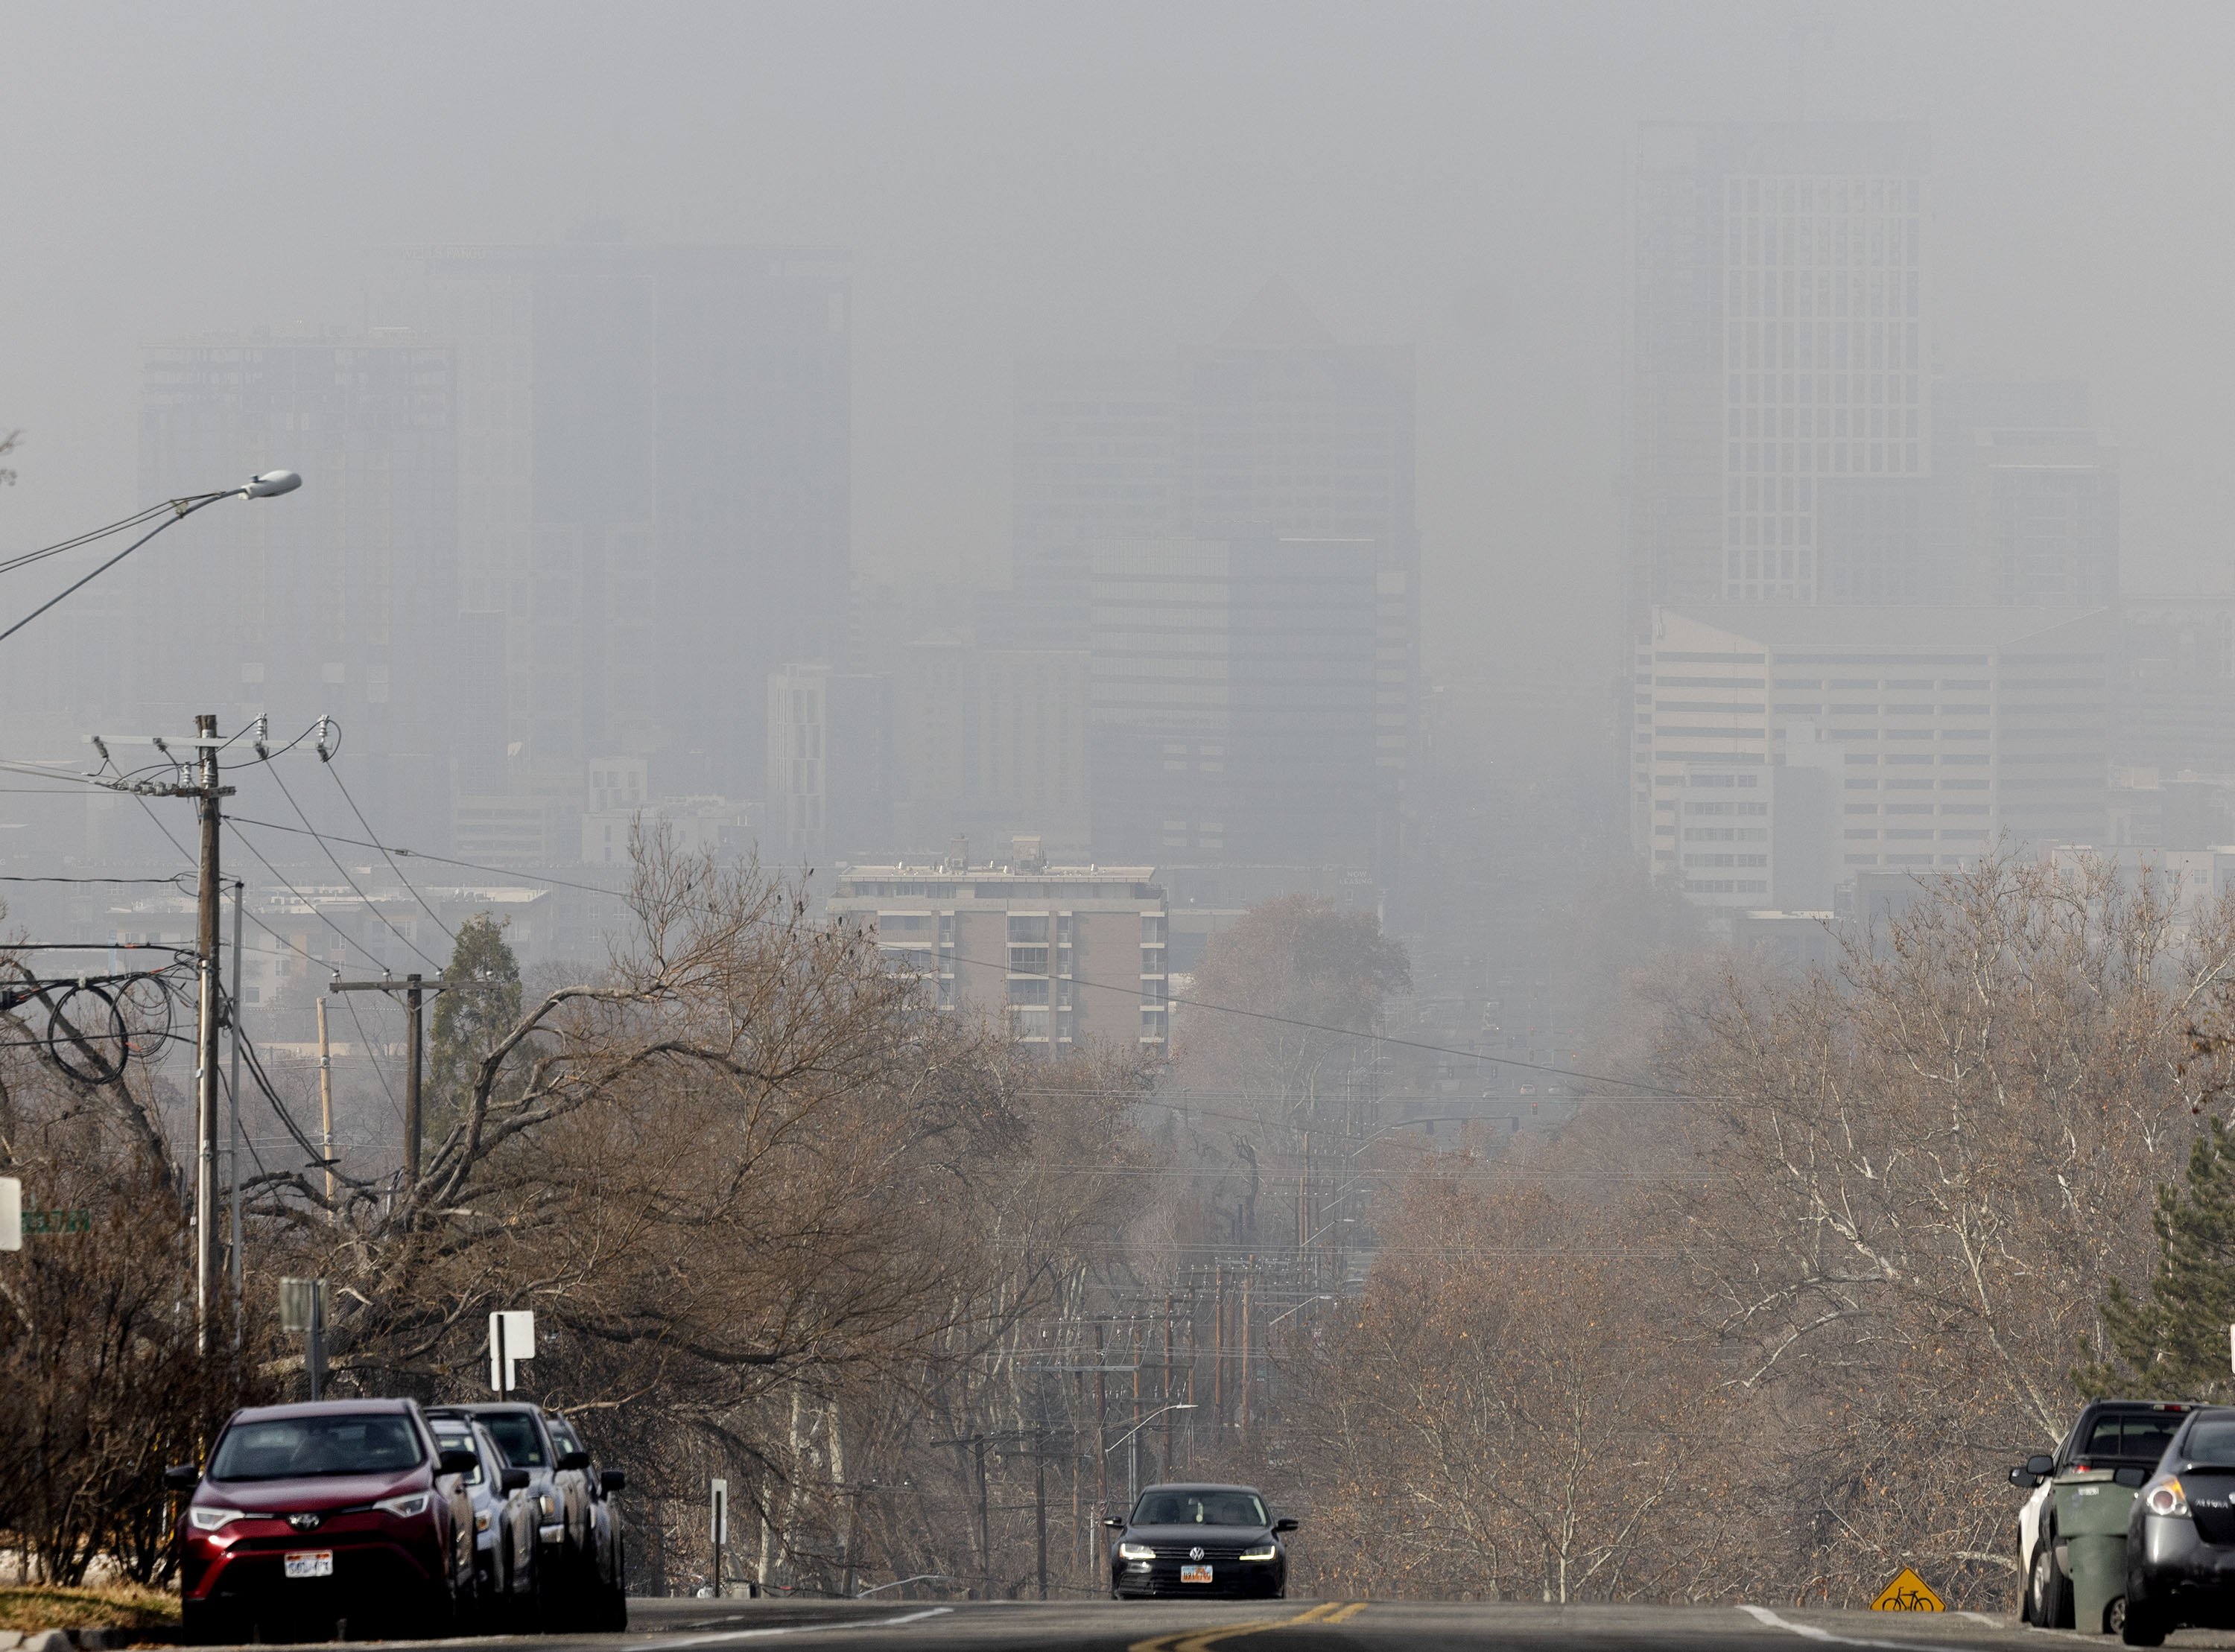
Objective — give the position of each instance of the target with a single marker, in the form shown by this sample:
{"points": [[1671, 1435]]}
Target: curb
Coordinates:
{"points": [[85, 1639]]}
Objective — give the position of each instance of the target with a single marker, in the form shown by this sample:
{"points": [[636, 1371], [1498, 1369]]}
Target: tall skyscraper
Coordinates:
{"points": [[345, 603], [1234, 705], [1782, 339], [655, 488], [1275, 433]]}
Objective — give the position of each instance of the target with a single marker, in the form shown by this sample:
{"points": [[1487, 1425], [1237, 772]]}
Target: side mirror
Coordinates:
{"points": [[2022, 1481], [1115, 1523], [2040, 1465], [613, 1480], [573, 1460], [1284, 1524], [183, 1477], [456, 1460], [514, 1480]]}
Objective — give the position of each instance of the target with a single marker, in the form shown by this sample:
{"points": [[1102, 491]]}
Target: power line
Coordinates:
{"points": [[91, 537], [311, 906], [351, 881], [392, 867]]}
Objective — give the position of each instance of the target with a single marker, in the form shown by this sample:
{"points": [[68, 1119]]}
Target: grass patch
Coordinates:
{"points": [[43, 1606]]}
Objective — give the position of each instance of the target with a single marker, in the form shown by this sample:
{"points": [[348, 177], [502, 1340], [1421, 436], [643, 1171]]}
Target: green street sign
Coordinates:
{"points": [[58, 1221]]}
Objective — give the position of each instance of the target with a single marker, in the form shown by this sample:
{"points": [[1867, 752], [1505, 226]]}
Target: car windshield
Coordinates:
{"points": [[517, 1437], [2212, 1441], [454, 1436], [2136, 1434], [1199, 1508], [284, 1449]]}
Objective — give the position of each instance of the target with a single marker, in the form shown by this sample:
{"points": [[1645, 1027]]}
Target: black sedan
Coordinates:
{"points": [[2181, 1538], [1185, 1539]]}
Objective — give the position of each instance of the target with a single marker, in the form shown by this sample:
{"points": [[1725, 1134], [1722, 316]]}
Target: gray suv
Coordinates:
{"points": [[581, 1555]]}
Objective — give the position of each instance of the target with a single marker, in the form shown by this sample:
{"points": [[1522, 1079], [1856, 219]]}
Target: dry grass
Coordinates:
{"points": [[42, 1606]]}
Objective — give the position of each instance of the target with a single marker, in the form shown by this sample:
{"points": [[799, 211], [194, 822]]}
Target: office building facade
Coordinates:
{"points": [[1277, 433], [341, 599], [1953, 728], [1235, 688], [655, 482]]}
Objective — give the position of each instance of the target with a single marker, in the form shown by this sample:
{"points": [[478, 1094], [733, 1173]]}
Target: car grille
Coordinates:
{"points": [[1228, 1571]]}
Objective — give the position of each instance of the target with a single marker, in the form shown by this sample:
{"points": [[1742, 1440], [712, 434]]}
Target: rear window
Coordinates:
{"points": [[302, 1447], [518, 1438], [2136, 1434], [2213, 1442], [451, 1436]]}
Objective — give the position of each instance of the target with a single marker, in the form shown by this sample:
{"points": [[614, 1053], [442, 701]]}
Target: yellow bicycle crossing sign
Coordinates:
{"points": [[1907, 1593]]}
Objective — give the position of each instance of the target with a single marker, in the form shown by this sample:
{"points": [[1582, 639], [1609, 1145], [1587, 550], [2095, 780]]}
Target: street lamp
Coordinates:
{"points": [[1132, 1438], [268, 485]]}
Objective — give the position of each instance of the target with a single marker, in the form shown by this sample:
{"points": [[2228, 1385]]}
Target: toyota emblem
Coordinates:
{"points": [[1195, 1553], [303, 1522]]}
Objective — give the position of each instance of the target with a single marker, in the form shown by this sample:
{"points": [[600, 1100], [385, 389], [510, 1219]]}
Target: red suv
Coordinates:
{"points": [[318, 1515]]}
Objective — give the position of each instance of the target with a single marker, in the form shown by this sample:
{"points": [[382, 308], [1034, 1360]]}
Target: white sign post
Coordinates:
{"points": [[512, 1338], [12, 1213], [721, 1513]]}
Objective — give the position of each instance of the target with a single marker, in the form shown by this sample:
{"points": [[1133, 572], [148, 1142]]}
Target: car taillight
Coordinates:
{"points": [[2167, 1498]]}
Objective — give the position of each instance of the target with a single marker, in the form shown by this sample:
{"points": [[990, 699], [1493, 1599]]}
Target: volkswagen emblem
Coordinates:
{"points": [[304, 1522], [1195, 1553]]}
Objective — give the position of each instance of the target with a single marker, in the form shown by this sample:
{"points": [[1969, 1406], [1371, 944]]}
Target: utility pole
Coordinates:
{"points": [[199, 781], [207, 894], [1167, 1385], [233, 1092], [1039, 1500], [413, 1068], [415, 989], [326, 1111], [1101, 1429]]}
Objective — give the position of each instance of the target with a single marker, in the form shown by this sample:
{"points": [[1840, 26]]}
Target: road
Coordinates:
{"points": [[1282, 1626]]}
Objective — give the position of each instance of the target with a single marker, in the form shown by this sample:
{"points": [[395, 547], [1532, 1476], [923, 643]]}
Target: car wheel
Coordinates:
{"points": [[2141, 1628], [2049, 1592]]}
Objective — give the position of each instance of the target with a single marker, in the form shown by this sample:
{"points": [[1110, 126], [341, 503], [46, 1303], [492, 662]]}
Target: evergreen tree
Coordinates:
{"points": [[482, 1007], [2173, 1343]]}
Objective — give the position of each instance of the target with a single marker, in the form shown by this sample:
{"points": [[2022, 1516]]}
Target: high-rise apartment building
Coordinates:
{"points": [[654, 483], [342, 603], [1062, 954], [1275, 434]]}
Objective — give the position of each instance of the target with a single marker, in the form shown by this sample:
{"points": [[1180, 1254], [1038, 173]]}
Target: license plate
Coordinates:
{"points": [[1195, 1574], [311, 1562]]}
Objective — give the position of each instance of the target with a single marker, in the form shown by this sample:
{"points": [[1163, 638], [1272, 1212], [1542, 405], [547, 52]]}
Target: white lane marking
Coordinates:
{"points": [[793, 1629], [1982, 1617], [1763, 1615]]}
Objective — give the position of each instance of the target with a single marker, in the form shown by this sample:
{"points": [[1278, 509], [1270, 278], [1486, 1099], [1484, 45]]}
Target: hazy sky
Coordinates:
{"points": [[1112, 176]]}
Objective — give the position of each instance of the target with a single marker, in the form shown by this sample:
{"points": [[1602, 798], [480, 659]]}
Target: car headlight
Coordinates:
{"points": [[209, 1519], [416, 1503], [1263, 1551], [548, 1504], [481, 1520], [1136, 1552], [2165, 1497]]}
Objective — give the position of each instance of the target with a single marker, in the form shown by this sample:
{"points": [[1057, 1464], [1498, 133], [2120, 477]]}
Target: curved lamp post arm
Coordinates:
{"points": [[1143, 1423], [264, 487]]}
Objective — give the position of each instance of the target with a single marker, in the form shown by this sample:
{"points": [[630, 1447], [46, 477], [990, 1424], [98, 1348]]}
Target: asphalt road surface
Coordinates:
{"points": [[1284, 1626]]}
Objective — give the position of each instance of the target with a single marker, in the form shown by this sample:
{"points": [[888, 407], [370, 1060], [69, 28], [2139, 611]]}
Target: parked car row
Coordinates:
{"points": [[362, 1517], [2131, 1527]]}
